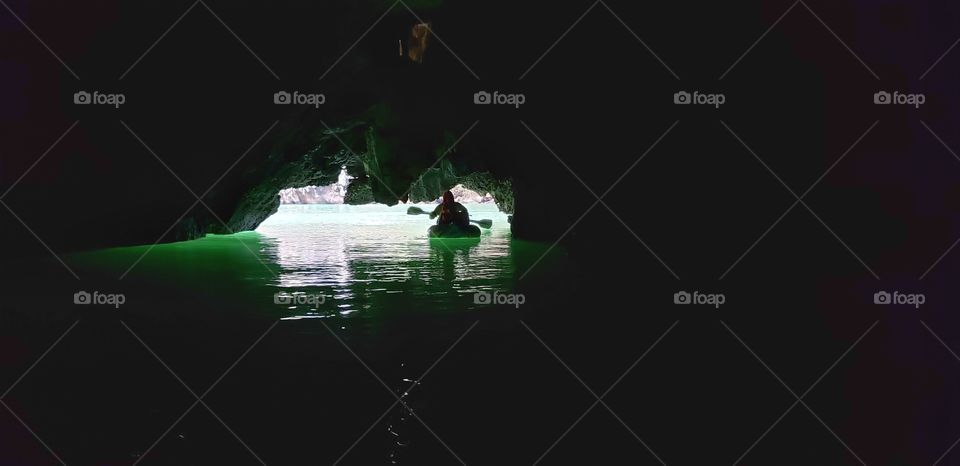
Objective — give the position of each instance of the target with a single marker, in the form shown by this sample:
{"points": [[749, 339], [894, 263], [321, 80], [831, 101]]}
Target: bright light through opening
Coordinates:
{"points": [[330, 194], [336, 192]]}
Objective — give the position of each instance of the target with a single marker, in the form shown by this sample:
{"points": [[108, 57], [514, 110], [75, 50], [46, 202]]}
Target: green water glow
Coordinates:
{"points": [[361, 259]]}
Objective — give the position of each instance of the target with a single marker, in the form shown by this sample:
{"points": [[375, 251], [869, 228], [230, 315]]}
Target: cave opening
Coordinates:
{"points": [[305, 210], [322, 242]]}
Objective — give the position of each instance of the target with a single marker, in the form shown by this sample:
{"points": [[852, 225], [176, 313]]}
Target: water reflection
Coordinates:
{"points": [[453, 255], [360, 256]]}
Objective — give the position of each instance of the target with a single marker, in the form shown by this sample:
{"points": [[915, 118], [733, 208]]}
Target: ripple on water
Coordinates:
{"points": [[359, 255], [317, 261]]}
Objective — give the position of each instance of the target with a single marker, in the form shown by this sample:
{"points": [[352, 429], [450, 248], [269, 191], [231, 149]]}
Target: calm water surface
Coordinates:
{"points": [[395, 298], [310, 261]]}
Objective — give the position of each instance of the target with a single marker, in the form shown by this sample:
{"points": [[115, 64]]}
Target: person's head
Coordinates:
{"points": [[447, 197]]}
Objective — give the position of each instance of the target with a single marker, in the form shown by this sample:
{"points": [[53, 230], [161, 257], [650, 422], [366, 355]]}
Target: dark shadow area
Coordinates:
{"points": [[797, 199]]}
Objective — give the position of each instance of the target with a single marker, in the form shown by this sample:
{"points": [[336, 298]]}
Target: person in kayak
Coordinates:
{"points": [[451, 211]]}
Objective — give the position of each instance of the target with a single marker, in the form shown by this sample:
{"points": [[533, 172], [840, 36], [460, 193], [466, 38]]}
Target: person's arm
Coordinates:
{"points": [[436, 211]]}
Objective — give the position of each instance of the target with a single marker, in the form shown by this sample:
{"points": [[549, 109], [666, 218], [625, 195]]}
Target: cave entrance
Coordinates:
{"points": [[356, 252], [325, 206], [336, 193]]}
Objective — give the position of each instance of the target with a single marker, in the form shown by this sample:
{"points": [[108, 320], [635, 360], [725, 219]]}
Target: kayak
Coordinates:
{"points": [[453, 231]]}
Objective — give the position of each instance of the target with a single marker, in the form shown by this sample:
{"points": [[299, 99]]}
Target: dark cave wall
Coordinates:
{"points": [[199, 99], [598, 99], [367, 156]]}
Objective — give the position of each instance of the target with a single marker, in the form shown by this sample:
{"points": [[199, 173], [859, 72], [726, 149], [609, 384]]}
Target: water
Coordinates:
{"points": [[352, 254], [315, 383], [393, 303], [310, 261]]}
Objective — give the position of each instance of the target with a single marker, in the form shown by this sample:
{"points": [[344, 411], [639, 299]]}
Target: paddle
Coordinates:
{"points": [[414, 210]]}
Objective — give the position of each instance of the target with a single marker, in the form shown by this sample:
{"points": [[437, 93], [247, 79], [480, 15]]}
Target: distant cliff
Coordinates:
{"points": [[336, 193], [330, 194], [312, 195], [461, 194]]}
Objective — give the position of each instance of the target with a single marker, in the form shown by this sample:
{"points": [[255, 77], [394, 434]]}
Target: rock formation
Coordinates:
{"points": [[329, 194], [404, 126]]}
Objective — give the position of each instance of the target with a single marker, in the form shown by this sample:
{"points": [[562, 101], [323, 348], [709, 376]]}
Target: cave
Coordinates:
{"points": [[329, 157], [215, 247]]}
